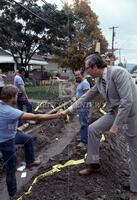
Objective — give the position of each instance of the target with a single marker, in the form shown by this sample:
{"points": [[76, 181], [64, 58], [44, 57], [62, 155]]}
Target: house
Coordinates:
{"points": [[8, 65], [52, 66], [7, 62], [39, 66]]}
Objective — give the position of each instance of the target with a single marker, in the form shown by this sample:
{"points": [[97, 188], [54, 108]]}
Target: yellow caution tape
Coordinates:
{"points": [[55, 168], [58, 167], [102, 138], [102, 111]]}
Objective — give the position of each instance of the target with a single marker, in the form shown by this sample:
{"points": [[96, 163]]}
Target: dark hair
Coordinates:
{"points": [[95, 59], [8, 91], [22, 69], [81, 72]]}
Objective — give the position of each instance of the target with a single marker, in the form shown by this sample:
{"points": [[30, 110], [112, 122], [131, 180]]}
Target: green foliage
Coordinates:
{"points": [[87, 33], [43, 92], [25, 34], [71, 33], [75, 58]]}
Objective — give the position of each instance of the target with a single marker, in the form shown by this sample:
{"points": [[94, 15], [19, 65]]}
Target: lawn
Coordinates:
{"points": [[42, 92]]}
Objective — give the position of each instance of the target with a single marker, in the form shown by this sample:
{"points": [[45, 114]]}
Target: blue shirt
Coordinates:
{"points": [[9, 117], [82, 86], [18, 81]]}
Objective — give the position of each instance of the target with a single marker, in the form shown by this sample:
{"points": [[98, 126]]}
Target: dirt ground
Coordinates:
{"points": [[112, 183]]}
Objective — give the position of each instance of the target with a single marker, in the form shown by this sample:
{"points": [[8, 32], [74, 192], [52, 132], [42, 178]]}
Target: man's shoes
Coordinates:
{"points": [[133, 196], [33, 164], [89, 170]]}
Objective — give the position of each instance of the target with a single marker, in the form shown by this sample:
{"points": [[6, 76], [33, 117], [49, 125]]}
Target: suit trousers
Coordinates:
{"points": [[94, 134]]}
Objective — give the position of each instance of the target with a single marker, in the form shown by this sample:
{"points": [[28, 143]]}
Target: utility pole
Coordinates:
{"points": [[113, 37], [119, 55]]}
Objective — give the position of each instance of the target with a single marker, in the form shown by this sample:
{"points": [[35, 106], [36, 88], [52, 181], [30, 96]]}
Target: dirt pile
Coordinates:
{"points": [[111, 183]]}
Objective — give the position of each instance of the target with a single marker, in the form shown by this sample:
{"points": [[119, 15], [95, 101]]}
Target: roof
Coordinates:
{"points": [[6, 57], [4, 52], [38, 57], [37, 62]]}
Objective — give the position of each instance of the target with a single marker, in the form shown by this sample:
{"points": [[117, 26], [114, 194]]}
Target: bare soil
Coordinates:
{"points": [[112, 183]]}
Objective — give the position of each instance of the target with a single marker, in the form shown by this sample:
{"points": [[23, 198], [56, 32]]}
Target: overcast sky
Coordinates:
{"points": [[121, 13]]}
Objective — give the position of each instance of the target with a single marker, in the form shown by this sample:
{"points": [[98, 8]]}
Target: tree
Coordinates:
{"points": [[87, 34], [24, 33]]}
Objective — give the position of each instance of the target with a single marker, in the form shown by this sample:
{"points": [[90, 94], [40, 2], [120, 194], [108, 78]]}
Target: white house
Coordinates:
{"points": [[7, 62]]}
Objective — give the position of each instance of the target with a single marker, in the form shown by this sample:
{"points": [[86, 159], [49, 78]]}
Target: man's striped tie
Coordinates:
{"points": [[104, 84]]}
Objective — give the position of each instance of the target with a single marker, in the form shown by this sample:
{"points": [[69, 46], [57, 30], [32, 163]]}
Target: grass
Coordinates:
{"points": [[42, 92]]}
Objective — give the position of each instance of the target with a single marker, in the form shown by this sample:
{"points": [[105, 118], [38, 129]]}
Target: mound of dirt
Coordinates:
{"points": [[111, 183]]}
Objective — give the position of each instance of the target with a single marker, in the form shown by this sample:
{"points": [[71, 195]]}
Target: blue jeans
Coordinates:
{"points": [[83, 118], [8, 150], [21, 102], [27, 141], [0, 91], [9, 155]]}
